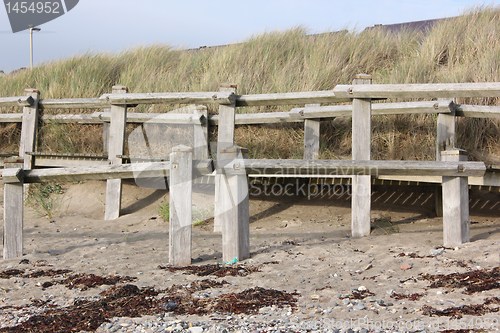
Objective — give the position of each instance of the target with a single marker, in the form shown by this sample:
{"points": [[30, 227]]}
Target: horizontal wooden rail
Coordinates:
{"points": [[220, 97], [343, 167], [318, 112], [11, 117], [73, 103], [16, 101], [308, 97], [477, 111], [124, 171], [436, 90], [156, 118]]}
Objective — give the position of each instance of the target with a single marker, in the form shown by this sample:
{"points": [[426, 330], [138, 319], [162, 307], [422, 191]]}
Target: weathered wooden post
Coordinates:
{"points": [[29, 130], [311, 136], [180, 191], [116, 145], [200, 136], [233, 204], [455, 202], [105, 135], [225, 139], [445, 139], [361, 150], [13, 211]]}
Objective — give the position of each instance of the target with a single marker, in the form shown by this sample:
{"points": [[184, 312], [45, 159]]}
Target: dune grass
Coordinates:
{"points": [[463, 49]]}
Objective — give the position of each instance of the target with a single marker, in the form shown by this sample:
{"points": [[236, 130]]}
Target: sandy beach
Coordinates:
{"points": [[398, 279]]}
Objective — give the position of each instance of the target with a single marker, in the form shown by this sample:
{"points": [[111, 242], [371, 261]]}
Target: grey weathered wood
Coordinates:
{"points": [[200, 135], [455, 203], [399, 168], [308, 97], [72, 118], [361, 150], [11, 117], [476, 111], [311, 136], [116, 146], [446, 133], [435, 90], [158, 118], [296, 115], [489, 179], [73, 103], [101, 172], [219, 97], [180, 191], [16, 101], [13, 213], [445, 139], [29, 129], [233, 205], [225, 139]]}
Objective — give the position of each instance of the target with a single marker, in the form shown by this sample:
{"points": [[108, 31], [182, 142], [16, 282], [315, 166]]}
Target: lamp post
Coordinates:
{"points": [[31, 44]]}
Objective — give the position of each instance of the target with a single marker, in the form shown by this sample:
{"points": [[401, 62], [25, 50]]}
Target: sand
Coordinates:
{"points": [[299, 245]]}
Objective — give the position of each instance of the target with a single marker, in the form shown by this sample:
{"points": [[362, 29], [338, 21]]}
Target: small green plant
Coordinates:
{"points": [[164, 211], [45, 198], [201, 216]]}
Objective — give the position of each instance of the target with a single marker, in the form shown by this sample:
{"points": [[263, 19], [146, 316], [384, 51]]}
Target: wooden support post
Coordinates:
{"points": [[200, 136], [116, 146], [455, 203], [29, 130], [361, 148], [445, 140], [13, 214], [105, 134], [233, 205], [225, 139], [311, 136], [181, 187]]}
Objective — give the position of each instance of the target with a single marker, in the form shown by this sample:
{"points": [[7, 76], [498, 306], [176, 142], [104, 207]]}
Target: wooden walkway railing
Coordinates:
{"points": [[232, 168]]}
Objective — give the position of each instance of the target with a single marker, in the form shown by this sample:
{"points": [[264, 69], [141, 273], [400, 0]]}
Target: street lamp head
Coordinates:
{"points": [[35, 29]]}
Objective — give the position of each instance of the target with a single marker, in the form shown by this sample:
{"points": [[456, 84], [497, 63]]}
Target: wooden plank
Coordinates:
{"points": [[72, 118], [29, 129], [11, 117], [116, 146], [219, 97], [13, 214], [22, 101], [233, 207], [225, 139], [297, 115], [374, 168], [378, 109], [65, 162], [361, 150], [156, 118], [477, 111], [73, 103], [102, 172], [435, 90], [311, 136], [488, 179], [455, 203], [307, 97], [180, 190], [261, 118]]}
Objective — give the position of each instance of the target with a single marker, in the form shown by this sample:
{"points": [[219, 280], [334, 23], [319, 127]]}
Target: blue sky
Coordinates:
{"points": [[95, 26]]}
